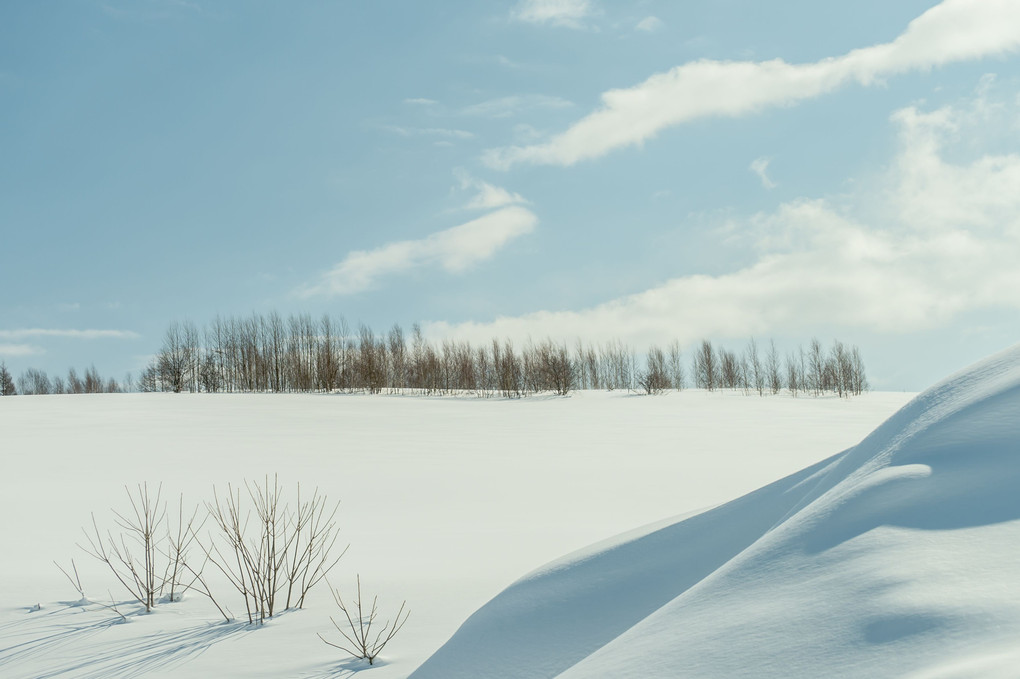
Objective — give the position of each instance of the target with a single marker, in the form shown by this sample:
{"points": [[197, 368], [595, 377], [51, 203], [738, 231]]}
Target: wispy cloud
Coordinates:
{"points": [[924, 243], [650, 24], [26, 333], [954, 30], [20, 350], [453, 250], [507, 63], [505, 107], [441, 132], [567, 13], [760, 167], [487, 196], [421, 101]]}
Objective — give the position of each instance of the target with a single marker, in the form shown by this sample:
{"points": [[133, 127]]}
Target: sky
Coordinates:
{"points": [[642, 170]]}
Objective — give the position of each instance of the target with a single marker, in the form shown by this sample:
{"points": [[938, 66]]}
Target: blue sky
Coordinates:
{"points": [[642, 170]]}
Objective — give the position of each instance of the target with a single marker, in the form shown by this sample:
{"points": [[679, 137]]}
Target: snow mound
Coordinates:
{"points": [[894, 558]]}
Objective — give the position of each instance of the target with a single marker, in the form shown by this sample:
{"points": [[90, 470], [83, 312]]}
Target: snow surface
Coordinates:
{"points": [[897, 557], [447, 501]]}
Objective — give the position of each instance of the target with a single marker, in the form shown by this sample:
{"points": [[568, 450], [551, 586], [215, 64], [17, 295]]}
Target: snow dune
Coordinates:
{"points": [[897, 557]]}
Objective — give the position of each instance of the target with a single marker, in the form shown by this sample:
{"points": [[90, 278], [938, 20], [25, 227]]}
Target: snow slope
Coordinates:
{"points": [[444, 502], [897, 557]]}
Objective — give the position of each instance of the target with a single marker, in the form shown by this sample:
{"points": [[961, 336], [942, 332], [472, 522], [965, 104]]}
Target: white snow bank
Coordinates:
{"points": [[894, 558]]}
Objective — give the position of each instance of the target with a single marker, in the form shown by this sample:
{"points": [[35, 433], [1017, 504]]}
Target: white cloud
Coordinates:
{"points": [[932, 239], [25, 333], [568, 13], [525, 132], [760, 167], [442, 132], [421, 101], [487, 196], [954, 30], [504, 107], [650, 24], [454, 250], [20, 350]]}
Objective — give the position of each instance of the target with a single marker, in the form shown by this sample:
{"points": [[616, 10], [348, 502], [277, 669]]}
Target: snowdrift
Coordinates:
{"points": [[898, 557]]}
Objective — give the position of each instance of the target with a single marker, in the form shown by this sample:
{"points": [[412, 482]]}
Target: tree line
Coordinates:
{"points": [[36, 382], [267, 353]]}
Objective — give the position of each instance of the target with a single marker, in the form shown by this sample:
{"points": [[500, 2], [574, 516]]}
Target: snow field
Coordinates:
{"points": [[444, 502]]}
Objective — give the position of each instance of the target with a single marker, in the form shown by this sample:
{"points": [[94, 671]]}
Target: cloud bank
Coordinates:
{"points": [[955, 30], [931, 240]]}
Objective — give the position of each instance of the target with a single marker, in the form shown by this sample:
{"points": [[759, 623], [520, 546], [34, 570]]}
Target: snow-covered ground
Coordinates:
{"points": [[446, 502], [895, 558]]}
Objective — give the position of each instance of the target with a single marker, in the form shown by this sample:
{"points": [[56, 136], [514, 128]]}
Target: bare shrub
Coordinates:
{"points": [[282, 548], [360, 640], [136, 574]]}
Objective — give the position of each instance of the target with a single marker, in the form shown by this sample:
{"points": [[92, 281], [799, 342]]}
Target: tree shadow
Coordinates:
{"points": [[47, 645]]}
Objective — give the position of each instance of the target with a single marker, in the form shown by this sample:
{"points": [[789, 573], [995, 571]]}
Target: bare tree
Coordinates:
{"points": [[74, 383], [617, 365], [555, 369], [816, 367], [655, 378], [327, 364], [7, 387], [148, 379], [398, 357], [755, 367], [793, 375], [677, 376], [773, 368], [176, 359], [93, 381], [508, 368], [859, 383], [730, 372], [34, 382], [706, 370]]}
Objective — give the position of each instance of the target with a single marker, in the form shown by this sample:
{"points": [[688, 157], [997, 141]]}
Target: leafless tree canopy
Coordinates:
{"points": [[268, 353], [33, 381]]}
